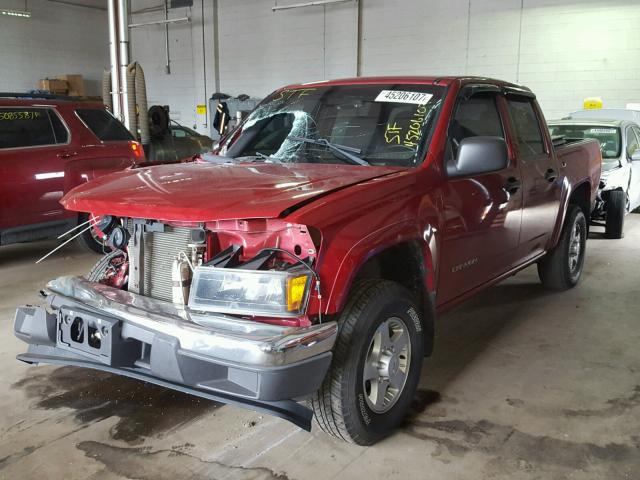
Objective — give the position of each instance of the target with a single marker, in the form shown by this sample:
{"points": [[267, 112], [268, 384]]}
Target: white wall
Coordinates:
{"points": [[565, 50], [259, 51], [183, 88], [58, 39]]}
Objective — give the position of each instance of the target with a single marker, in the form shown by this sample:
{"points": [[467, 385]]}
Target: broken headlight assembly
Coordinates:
{"points": [[267, 293]]}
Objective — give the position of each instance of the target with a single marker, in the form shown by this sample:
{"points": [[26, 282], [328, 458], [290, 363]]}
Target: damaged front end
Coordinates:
{"points": [[226, 310]]}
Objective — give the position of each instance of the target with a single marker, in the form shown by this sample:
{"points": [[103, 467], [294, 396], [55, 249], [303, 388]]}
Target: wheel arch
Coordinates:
{"points": [[408, 262], [579, 195]]}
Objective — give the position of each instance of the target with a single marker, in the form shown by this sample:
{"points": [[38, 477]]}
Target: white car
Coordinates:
{"points": [[620, 181]]}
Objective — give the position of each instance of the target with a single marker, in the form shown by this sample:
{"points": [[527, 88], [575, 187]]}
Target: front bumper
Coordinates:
{"points": [[219, 357]]}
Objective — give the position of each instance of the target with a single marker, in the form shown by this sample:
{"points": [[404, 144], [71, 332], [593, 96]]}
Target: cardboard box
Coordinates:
{"points": [[56, 86], [76, 84]]}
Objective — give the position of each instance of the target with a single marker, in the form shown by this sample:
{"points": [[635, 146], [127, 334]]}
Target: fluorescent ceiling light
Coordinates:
{"points": [[15, 13]]}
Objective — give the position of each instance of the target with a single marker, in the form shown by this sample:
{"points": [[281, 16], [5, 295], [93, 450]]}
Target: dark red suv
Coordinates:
{"points": [[48, 146]]}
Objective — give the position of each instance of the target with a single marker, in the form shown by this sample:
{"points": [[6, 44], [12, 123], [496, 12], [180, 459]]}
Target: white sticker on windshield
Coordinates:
{"points": [[602, 130], [398, 96]]}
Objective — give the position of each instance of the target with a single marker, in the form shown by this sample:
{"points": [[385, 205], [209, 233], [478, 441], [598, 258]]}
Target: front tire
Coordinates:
{"points": [[615, 213], [376, 364], [561, 268]]}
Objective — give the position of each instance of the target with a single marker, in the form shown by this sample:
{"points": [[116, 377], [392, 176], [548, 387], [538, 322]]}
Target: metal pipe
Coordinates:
{"points": [[359, 40], [216, 50], [159, 22], [308, 4], [204, 68], [166, 35], [123, 58], [113, 57]]}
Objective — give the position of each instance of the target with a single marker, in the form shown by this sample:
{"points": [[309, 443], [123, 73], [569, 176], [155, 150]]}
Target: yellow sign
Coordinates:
{"points": [[592, 103], [201, 109]]}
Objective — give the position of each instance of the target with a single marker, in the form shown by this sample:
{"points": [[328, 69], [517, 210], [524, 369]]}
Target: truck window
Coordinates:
{"points": [[632, 142], [104, 125], [475, 117], [25, 127], [526, 127], [381, 124]]}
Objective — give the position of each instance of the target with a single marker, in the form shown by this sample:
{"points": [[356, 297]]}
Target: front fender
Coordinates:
{"points": [[343, 271]]}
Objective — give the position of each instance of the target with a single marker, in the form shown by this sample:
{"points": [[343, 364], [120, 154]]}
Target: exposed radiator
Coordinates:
{"points": [[160, 248]]}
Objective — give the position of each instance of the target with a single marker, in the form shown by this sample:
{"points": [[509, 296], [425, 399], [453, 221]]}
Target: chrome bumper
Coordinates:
{"points": [[214, 356], [219, 336]]}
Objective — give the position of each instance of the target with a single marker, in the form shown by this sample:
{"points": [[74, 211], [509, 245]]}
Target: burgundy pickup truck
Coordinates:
{"points": [[300, 273]]}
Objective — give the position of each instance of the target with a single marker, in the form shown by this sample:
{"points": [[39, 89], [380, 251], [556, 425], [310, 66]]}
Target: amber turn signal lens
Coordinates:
{"points": [[296, 288]]}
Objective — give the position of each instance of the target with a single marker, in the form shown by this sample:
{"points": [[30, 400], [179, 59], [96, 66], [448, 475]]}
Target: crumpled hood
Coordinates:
{"points": [[196, 192]]}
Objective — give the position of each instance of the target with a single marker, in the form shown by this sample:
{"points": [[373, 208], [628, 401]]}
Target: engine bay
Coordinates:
{"points": [[256, 267]]}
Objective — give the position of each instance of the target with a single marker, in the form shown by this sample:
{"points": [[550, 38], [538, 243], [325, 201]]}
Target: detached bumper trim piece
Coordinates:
{"points": [[287, 409]]}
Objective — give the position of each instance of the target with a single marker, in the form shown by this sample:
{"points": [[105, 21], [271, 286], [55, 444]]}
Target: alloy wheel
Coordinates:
{"points": [[387, 364], [575, 247]]}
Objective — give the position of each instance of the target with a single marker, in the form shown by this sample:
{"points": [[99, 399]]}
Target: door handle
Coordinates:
{"points": [[550, 175], [67, 154], [512, 185]]}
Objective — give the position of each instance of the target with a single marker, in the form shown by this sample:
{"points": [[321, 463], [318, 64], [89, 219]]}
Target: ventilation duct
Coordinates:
{"points": [[107, 99]]}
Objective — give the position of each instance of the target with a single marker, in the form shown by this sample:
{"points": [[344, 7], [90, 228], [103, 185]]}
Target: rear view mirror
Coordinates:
{"points": [[478, 155], [636, 156]]}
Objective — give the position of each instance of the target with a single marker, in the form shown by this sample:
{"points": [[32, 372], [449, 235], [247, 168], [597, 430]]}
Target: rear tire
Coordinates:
{"points": [[88, 242], [616, 210], [561, 268], [374, 375]]}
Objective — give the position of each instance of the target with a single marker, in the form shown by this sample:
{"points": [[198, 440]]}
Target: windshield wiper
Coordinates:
{"points": [[341, 150]]}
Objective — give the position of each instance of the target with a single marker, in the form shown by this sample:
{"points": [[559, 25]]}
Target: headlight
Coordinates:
{"points": [[250, 292]]}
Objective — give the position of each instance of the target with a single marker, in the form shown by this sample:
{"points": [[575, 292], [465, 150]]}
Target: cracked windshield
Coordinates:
{"points": [[385, 125]]}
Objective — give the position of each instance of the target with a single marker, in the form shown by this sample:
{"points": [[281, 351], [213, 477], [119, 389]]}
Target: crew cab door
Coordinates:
{"points": [[34, 147], [541, 182], [481, 224]]}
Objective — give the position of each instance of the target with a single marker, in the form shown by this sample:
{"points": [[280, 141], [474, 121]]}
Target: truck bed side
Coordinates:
{"points": [[581, 162], [580, 165]]}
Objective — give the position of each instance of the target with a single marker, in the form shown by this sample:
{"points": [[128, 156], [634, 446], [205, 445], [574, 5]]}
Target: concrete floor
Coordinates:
{"points": [[524, 384]]}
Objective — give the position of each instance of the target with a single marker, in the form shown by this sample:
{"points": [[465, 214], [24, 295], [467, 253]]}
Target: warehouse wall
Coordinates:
{"points": [[565, 50], [183, 88], [56, 40], [259, 50]]}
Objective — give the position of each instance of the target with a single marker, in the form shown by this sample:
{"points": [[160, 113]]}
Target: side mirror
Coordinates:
{"points": [[636, 156], [477, 155]]}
